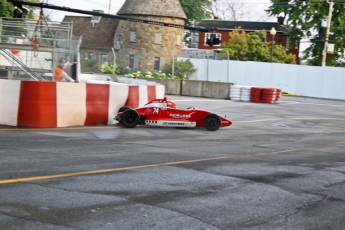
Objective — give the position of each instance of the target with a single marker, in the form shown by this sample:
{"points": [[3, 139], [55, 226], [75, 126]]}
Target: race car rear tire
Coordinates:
{"points": [[212, 122], [123, 108], [130, 118]]}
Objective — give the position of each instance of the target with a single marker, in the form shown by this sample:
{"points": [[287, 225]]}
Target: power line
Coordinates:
{"points": [[94, 13]]}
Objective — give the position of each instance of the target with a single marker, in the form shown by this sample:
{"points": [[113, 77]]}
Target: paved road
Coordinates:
{"points": [[279, 166]]}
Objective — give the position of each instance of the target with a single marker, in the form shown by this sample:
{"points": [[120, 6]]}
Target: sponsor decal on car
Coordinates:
{"points": [[180, 115], [170, 123]]}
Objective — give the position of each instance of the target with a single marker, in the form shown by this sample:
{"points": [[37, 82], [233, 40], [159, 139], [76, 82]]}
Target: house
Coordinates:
{"points": [[97, 40], [137, 45], [222, 28]]}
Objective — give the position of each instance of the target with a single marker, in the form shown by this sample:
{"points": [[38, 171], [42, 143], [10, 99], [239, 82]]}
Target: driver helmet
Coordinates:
{"points": [[171, 104]]}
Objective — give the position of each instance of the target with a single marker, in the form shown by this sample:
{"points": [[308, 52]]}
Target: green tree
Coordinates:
{"points": [[305, 19], [258, 50], [250, 47], [6, 9], [237, 46], [16, 27], [196, 10]]}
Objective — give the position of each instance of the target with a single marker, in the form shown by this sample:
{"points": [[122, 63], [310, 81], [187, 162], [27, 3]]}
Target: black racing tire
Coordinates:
{"points": [[123, 108], [130, 118], [212, 122]]}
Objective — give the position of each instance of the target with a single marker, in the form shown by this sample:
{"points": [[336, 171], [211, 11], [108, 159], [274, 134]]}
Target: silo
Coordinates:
{"points": [[148, 47]]}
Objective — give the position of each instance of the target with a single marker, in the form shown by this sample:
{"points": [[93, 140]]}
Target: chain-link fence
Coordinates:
{"points": [[37, 44]]}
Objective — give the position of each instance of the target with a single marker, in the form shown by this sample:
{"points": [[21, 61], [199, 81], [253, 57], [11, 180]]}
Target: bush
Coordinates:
{"points": [[182, 69], [147, 74], [108, 68]]}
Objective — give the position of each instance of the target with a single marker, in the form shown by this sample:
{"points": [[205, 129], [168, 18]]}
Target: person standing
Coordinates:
{"points": [[60, 74]]}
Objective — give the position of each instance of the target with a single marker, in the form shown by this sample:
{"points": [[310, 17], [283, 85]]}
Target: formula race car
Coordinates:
{"points": [[163, 112]]}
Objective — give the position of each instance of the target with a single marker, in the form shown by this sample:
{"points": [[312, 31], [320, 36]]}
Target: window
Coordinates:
{"points": [[156, 64], [194, 39], [210, 57], [178, 40], [117, 44], [133, 62], [158, 38], [90, 55], [208, 36], [103, 58], [132, 36]]}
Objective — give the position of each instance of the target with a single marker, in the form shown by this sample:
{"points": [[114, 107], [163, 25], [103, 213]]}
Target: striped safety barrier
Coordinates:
{"points": [[63, 104]]}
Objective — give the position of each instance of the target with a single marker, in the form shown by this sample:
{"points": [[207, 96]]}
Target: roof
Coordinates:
{"points": [[101, 35], [245, 25], [166, 8]]}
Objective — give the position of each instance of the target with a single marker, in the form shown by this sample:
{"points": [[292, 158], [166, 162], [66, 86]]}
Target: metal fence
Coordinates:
{"points": [[39, 44]]}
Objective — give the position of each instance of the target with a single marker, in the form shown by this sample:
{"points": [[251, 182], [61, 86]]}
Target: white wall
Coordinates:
{"points": [[310, 81]]}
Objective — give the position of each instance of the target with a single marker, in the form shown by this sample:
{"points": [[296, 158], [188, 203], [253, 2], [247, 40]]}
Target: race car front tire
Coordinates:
{"points": [[123, 108], [212, 122], [130, 118]]}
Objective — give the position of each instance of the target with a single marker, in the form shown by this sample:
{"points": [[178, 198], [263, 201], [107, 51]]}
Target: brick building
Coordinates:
{"points": [[97, 40], [222, 28]]}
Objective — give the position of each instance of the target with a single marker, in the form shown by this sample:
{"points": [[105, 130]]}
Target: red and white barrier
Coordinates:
{"points": [[62, 104], [256, 94]]}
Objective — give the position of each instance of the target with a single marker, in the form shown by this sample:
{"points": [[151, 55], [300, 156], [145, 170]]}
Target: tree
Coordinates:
{"points": [[237, 45], [196, 10], [6, 9], [251, 47], [305, 19], [234, 10]]}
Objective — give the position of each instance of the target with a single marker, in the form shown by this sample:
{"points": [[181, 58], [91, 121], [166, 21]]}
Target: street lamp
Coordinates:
{"points": [[272, 32]]}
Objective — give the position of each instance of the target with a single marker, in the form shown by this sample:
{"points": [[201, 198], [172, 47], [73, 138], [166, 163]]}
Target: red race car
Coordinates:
{"points": [[163, 112]]}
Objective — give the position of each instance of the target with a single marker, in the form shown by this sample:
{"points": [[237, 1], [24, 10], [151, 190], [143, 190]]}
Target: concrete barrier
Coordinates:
{"points": [[218, 90], [192, 88]]}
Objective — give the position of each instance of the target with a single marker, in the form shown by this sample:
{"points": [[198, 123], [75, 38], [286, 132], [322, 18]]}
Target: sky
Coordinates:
{"points": [[90, 5], [115, 5]]}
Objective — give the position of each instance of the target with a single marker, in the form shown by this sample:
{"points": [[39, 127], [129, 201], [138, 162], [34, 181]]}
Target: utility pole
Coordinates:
{"points": [[109, 7], [327, 33]]}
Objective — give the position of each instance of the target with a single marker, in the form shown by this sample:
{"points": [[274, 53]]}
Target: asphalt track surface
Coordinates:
{"points": [[279, 166]]}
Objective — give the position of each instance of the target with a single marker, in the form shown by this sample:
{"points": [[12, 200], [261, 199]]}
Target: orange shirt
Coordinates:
{"points": [[57, 74]]}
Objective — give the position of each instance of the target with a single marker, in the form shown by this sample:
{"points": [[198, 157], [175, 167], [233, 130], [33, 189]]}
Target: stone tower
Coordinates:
{"points": [[148, 47]]}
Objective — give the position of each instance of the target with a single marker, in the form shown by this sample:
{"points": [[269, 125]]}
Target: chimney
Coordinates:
{"points": [[215, 17], [281, 20]]}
